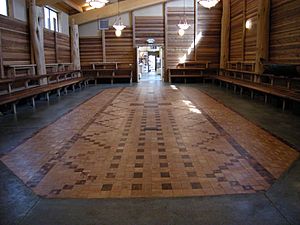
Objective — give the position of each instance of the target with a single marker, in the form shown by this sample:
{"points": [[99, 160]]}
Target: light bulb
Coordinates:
{"points": [[118, 33], [181, 32], [248, 24]]}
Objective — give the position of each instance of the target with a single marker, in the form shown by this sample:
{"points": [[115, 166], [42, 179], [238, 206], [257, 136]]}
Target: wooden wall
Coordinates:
{"points": [[242, 40], [285, 31], [209, 24], [15, 44], [90, 50], [149, 27], [178, 46], [119, 49]]}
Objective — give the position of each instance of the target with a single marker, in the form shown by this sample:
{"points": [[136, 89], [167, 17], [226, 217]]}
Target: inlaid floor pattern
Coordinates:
{"points": [[150, 141]]}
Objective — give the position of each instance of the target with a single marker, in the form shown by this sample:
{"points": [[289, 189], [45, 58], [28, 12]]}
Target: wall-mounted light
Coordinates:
{"points": [[181, 32], [248, 24]]}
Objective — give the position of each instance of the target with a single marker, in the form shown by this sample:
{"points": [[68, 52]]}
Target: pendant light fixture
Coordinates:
{"points": [[208, 3], [97, 3], [183, 24], [118, 25]]}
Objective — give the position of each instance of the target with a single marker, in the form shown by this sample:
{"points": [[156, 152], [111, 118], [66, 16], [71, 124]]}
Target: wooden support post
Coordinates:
{"points": [[165, 14], [195, 27], [262, 38], [244, 32], [225, 32], [133, 30], [75, 47], [103, 46], [36, 24]]}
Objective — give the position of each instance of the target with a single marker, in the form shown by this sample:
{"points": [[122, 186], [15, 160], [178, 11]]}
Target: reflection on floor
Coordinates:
{"points": [[150, 76], [149, 141]]}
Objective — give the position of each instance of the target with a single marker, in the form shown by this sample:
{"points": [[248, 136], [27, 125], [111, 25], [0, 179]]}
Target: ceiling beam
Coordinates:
{"points": [[112, 10], [69, 3]]}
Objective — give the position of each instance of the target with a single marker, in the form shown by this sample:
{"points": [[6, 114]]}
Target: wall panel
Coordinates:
{"points": [[178, 46], [149, 27], [285, 32], [90, 50], [209, 24]]}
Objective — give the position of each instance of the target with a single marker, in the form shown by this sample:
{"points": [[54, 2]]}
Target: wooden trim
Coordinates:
{"points": [[103, 46], [225, 34]]}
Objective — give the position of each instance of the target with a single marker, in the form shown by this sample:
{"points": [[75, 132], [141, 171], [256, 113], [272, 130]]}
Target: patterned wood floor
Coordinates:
{"points": [[150, 141]]}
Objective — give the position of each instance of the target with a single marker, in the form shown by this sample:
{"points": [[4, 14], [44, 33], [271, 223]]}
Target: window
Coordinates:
{"points": [[51, 19], [3, 8]]}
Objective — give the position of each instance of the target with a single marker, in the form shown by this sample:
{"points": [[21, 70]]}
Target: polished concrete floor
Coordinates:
{"points": [[159, 143]]}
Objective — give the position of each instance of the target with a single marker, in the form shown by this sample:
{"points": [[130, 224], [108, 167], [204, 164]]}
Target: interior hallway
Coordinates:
{"points": [[151, 140]]}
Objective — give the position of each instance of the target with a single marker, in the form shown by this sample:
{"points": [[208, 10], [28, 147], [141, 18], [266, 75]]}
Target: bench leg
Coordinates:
{"points": [[252, 94], [73, 87], [96, 81], [47, 97], [227, 85], [33, 102], [241, 91], [14, 108], [234, 88], [9, 88], [112, 81], [266, 99], [66, 90], [220, 84], [283, 105], [58, 92]]}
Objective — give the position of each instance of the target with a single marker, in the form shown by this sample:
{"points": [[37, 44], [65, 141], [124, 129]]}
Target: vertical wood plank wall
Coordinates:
{"points": [[209, 24], [285, 31]]}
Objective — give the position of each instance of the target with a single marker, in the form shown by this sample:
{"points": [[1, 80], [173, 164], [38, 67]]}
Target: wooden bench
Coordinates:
{"points": [[104, 65], [56, 80], [265, 88], [194, 64], [12, 70], [111, 74]]}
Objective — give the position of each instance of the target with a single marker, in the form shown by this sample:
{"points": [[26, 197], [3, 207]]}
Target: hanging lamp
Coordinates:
{"points": [[208, 3], [183, 25], [97, 3], [118, 25]]}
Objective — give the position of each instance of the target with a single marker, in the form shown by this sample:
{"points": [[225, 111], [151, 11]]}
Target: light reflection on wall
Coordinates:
{"points": [[190, 49]]}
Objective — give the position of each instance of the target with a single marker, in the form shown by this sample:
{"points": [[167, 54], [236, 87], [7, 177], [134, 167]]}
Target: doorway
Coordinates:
{"points": [[150, 63]]}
